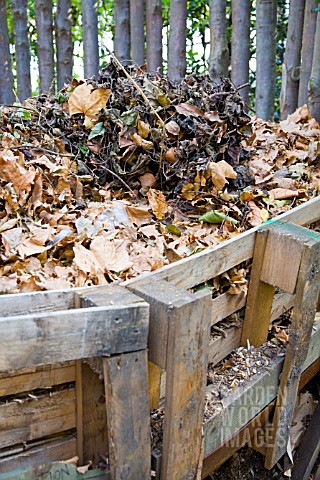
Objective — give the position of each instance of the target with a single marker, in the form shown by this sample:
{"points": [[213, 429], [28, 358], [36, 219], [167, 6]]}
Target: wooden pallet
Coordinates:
{"points": [[180, 322]]}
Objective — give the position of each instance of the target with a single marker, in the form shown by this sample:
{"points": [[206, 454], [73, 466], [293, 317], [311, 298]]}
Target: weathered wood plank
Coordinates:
{"points": [[162, 298], [203, 266], [92, 438], [220, 347], [246, 401], [33, 419], [54, 450], [45, 378], [36, 302], [226, 305], [302, 319], [187, 358], [126, 387], [69, 335], [56, 470], [284, 239], [259, 300]]}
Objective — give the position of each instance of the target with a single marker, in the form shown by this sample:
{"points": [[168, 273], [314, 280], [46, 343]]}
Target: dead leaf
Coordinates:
{"points": [[170, 155], [138, 215], [157, 203], [282, 193], [220, 171], [111, 254], [148, 180], [88, 101], [143, 129], [173, 128], [20, 178], [188, 109]]}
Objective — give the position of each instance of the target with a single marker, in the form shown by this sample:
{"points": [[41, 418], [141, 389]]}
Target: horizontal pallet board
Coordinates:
{"points": [[55, 471], [36, 418], [246, 401], [36, 453], [43, 378], [72, 334], [221, 346]]}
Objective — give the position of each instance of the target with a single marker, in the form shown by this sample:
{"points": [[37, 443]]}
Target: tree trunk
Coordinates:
{"points": [[6, 77], [292, 60], [309, 30], [90, 37], [45, 44], [19, 10], [266, 57], [219, 52], [314, 83], [137, 31], [240, 46], [177, 62], [64, 42], [122, 29], [154, 24]]}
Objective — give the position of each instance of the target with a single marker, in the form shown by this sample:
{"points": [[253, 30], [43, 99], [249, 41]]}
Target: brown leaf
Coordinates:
{"points": [[157, 203], [141, 142], [188, 109], [111, 254], [173, 128], [170, 155], [138, 215], [88, 101], [143, 129], [220, 171], [148, 180], [85, 260], [20, 178], [257, 215], [281, 193]]}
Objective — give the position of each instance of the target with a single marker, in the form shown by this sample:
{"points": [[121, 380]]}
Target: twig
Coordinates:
{"points": [[34, 147], [136, 86], [21, 106], [121, 180]]}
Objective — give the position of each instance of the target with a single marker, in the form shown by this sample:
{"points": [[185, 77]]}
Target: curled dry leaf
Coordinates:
{"points": [[157, 203], [112, 255], [88, 101], [188, 109], [220, 171]]}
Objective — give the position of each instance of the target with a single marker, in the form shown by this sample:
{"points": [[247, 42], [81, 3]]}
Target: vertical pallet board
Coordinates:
{"points": [[304, 311], [181, 321], [126, 385], [126, 393], [259, 299], [92, 438]]}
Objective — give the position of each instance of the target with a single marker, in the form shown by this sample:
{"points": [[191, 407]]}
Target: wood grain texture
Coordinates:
{"points": [[259, 299], [55, 470], [226, 305], [31, 455], [162, 298], [92, 438], [283, 253], [302, 320], [128, 411], [69, 335], [187, 359], [33, 419], [44, 378], [36, 302]]}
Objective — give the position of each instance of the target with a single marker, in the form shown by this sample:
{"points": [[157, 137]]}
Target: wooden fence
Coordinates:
{"points": [[283, 256]]}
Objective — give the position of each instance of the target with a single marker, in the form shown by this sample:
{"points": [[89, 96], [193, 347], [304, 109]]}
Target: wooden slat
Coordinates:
{"points": [[246, 401], [259, 300], [302, 319], [52, 471], [187, 359], [126, 387], [44, 378], [55, 450], [203, 266], [162, 297], [69, 335], [36, 302], [220, 347], [226, 305], [34, 419], [92, 438]]}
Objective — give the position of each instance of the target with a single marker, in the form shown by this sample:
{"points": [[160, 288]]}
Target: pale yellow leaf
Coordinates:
{"points": [[88, 101]]}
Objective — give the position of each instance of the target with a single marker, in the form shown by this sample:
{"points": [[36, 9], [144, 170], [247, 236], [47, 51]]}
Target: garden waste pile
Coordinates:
{"points": [[120, 175]]}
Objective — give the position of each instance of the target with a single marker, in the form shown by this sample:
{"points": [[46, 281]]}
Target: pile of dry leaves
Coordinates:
{"points": [[120, 176]]}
